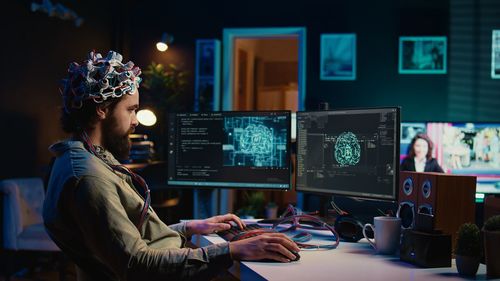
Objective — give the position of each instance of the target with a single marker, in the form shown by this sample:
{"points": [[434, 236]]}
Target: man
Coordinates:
{"points": [[98, 212]]}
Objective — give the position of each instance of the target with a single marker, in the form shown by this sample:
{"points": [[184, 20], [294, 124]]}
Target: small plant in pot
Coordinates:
{"points": [[491, 230], [253, 206], [468, 249], [271, 210]]}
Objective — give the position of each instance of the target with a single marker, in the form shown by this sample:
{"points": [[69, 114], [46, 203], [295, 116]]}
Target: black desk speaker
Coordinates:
{"points": [[426, 249]]}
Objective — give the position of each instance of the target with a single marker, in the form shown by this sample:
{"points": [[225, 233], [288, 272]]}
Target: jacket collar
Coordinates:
{"points": [[61, 147]]}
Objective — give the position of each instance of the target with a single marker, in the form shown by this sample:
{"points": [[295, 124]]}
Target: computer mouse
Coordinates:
{"points": [[234, 225], [297, 256]]}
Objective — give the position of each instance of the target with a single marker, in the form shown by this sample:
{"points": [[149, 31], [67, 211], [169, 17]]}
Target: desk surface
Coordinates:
{"points": [[350, 261]]}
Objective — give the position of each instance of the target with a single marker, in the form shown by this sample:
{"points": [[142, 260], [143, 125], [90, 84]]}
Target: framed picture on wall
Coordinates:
{"points": [[338, 57], [207, 75], [495, 54], [422, 55]]}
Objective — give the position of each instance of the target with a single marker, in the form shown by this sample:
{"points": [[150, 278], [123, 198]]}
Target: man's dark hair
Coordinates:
{"points": [[74, 122]]}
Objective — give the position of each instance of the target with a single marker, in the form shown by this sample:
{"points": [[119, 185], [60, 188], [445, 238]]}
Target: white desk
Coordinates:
{"points": [[350, 261]]}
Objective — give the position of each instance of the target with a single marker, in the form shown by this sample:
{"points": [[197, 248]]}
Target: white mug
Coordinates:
{"points": [[387, 234]]}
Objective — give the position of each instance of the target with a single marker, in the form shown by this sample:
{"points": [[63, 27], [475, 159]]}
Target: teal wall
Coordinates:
{"points": [[378, 25]]}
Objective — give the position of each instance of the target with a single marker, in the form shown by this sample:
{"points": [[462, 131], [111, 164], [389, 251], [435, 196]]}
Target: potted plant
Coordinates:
{"points": [[271, 210], [165, 85], [491, 230], [253, 205], [163, 90], [468, 249]]}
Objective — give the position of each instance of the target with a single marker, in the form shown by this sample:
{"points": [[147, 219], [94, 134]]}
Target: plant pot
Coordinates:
{"points": [[271, 212], [492, 253], [467, 266]]}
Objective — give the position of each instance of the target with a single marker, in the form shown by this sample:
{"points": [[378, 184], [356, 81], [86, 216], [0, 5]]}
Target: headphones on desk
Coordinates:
{"points": [[295, 221], [300, 220], [349, 228]]}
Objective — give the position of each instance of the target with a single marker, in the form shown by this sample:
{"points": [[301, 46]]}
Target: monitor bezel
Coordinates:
{"points": [[205, 187], [396, 155]]}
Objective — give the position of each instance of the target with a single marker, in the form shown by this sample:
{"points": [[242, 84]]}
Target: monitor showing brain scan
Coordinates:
{"points": [[230, 149], [258, 141], [351, 152], [347, 149]]}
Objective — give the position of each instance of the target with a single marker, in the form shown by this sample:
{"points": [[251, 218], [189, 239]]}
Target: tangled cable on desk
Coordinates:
{"points": [[294, 216]]}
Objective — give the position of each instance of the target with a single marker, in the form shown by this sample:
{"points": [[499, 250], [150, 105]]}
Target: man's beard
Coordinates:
{"points": [[115, 142]]}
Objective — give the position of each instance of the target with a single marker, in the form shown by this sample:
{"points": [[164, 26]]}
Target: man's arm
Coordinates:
{"points": [[181, 228], [115, 241], [207, 226]]}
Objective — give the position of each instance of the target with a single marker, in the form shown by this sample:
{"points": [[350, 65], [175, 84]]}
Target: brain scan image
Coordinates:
{"points": [[256, 139], [347, 150]]}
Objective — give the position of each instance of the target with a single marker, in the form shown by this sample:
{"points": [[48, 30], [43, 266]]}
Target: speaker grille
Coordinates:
{"points": [[406, 212], [426, 189], [408, 186]]}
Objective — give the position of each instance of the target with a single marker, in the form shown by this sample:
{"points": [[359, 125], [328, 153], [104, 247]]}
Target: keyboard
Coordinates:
{"points": [[251, 230]]}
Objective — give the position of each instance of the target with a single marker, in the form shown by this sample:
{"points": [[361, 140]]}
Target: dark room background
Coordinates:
{"points": [[36, 50]]}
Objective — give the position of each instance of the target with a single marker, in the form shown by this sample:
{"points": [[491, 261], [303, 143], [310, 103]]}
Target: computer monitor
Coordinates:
{"points": [[353, 152], [230, 149], [471, 148]]}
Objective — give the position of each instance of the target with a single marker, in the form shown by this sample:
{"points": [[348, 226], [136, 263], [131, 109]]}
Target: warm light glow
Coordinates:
{"points": [[161, 46], [146, 117]]}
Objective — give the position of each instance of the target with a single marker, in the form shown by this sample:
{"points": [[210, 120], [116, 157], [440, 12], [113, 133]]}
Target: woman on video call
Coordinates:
{"points": [[419, 158]]}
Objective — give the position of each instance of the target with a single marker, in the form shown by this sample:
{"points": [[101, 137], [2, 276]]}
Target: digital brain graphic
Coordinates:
{"points": [[256, 139], [347, 149]]}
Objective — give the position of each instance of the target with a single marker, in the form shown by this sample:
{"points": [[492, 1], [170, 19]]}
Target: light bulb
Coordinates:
{"points": [[161, 46], [146, 117]]}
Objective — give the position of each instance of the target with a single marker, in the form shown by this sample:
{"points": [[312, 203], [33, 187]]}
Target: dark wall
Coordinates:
{"points": [[378, 24], [473, 95], [378, 27], [36, 50]]}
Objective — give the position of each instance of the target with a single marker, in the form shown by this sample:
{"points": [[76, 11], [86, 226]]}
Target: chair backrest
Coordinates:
{"points": [[23, 203]]}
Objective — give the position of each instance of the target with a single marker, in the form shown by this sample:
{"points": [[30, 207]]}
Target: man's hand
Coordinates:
{"points": [[213, 224], [274, 246]]}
